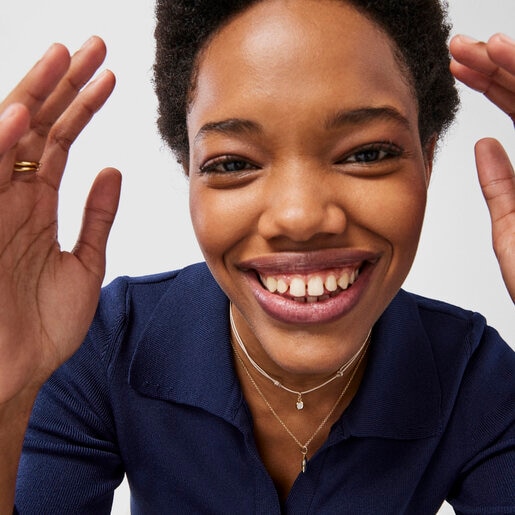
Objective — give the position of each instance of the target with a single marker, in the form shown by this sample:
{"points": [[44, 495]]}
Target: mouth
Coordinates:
{"points": [[310, 289]]}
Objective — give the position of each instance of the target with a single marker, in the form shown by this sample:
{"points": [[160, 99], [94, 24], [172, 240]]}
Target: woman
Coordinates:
{"points": [[308, 164]]}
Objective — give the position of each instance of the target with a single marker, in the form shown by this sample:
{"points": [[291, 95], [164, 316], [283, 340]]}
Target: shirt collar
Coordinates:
{"points": [[400, 394], [184, 355]]}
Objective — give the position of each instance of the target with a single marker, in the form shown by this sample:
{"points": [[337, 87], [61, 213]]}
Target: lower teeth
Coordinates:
{"points": [[312, 300]]}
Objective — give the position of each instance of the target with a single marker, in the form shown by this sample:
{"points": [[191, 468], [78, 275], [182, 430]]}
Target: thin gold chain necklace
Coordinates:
{"points": [[303, 447], [300, 401]]}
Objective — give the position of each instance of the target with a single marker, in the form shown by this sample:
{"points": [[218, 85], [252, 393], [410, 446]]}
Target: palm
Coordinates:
{"points": [[29, 271], [47, 297]]}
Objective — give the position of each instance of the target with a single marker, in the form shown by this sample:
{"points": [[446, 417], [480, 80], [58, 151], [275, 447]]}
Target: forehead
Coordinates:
{"points": [[292, 53]]}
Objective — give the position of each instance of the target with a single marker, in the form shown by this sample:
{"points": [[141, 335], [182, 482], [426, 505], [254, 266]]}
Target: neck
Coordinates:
{"points": [[306, 384], [286, 437], [299, 390]]}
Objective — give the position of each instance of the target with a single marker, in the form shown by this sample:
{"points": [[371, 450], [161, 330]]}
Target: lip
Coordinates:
{"points": [[291, 312], [307, 262]]}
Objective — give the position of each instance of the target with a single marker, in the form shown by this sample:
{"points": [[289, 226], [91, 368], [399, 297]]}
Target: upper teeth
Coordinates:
{"points": [[312, 286]]}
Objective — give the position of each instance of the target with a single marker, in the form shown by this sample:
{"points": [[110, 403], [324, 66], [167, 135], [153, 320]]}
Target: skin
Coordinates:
{"points": [[48, 296], [300, 192], [300, 197], [490, 68], [272, 187]]}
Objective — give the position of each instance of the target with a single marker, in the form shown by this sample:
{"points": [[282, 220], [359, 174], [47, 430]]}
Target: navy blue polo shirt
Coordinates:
{"points": [[152, 393]]}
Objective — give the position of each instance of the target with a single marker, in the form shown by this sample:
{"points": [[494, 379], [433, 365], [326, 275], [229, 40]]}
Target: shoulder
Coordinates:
{"points": [[449, 328], [128, 303], [430, 361], [122, 294], [469, 357], [151, 287], [475, 366]]}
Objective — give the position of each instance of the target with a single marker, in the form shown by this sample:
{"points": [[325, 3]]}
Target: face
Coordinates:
{"points": [[307, 178]]}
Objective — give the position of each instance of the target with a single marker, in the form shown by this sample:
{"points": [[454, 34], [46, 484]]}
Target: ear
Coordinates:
{"points": [[429, 156]]}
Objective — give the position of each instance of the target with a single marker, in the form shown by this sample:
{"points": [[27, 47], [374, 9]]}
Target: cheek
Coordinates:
{"points": [[403, 222], [219, 219], [395, 210]]}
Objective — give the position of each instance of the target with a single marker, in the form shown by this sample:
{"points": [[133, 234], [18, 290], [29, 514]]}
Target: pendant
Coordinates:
{"points": [[300, 403], [304, 464]]}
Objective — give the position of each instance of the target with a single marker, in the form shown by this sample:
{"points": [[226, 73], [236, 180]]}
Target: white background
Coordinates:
{"points": [[153, 232]]}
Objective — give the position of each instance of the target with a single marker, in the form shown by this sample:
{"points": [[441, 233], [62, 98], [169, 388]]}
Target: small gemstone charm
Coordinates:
{"points": [[304, 464], [300, 405]]}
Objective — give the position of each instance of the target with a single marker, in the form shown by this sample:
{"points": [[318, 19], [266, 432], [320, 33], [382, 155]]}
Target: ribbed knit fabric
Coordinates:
{"points": [[152, 393]]}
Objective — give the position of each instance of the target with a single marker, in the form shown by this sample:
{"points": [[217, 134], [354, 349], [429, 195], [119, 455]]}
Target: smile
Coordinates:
{"points": [[310, 288]]}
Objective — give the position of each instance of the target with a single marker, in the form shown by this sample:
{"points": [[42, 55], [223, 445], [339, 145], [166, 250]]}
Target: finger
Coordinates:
{"points": [[14, 122], [83, 65], [496, 177], [475, 56], [502, 97], [41, 80], [497, 180], [501, 50], [99, 214], [71, 123]]}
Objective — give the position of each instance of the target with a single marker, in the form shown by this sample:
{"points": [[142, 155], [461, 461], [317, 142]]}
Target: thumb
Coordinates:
{"points": [[99, 214], [497, 180]]}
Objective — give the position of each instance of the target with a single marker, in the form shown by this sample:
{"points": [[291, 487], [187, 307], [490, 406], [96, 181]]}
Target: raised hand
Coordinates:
{"points": [[47, 296], [490, 69]]}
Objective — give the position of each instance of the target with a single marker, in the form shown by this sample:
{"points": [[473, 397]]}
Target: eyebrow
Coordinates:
{"points": [[231, 126], [237, 126], [364, 115]]}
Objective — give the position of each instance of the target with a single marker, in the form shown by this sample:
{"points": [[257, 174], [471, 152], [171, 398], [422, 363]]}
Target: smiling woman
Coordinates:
{"points": [[289, 373], [300, 208]]}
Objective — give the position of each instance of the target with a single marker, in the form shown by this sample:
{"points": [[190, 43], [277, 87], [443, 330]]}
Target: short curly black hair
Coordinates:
{"points": [[419, 29]]}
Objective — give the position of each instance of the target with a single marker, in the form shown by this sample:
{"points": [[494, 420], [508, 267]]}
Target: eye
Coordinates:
{"points": [[226, 164], [373, 153], [367, 156]]}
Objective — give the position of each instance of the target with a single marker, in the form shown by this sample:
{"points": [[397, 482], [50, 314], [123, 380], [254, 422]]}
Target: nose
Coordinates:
{"points": [[302, 203]]}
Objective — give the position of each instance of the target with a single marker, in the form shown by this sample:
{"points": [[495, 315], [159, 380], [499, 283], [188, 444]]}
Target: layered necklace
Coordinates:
{"points": [[303, 446], [300, 401]]}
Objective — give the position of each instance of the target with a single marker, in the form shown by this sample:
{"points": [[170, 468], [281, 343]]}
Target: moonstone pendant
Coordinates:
{"points": [[300, 403]]}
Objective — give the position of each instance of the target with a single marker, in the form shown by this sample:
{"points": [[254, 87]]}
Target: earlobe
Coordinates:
{"points": [[429, 155]]}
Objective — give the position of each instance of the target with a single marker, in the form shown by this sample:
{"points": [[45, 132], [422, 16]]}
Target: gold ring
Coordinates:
{"points": [[26, 166]]}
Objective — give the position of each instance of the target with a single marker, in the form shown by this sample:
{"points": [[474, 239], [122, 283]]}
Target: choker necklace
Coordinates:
{"points": [[303, 447], [300, 401]]}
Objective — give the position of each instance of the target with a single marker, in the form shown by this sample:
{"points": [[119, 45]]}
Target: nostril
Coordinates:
{"points": [[301, 223]]}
